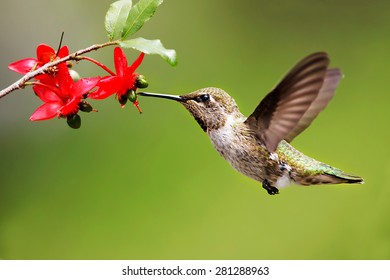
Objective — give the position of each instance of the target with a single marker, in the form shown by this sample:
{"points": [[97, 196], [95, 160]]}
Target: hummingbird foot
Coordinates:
{"points": [[270, 189]]}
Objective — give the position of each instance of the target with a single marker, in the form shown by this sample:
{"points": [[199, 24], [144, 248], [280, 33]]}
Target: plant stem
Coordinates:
{"points": [[19, 84], [104, 67]]}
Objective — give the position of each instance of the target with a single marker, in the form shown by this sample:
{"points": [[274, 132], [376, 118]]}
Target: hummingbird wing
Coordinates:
{"points": [[327, 91], [278, 115]]}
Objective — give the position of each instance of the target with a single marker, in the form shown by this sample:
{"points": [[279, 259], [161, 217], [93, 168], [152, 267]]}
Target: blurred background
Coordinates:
{"points": [[151, 186]]}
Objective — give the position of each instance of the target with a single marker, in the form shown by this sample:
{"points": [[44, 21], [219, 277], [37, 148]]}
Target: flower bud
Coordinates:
{"points": [[74, 121], [75, 76], [122, 99], [141, 82], [85, 107], [132, 96]]}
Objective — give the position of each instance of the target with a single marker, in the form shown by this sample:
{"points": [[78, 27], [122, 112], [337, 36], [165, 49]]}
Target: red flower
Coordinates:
{"points": [[45, 54], [122, 82], [61, 95]]}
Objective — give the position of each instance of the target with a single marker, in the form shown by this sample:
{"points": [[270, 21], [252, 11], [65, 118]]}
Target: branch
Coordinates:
{"points": [[19, 84]]}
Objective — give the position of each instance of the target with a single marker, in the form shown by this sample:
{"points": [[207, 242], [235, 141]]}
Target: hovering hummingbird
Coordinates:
{"points": [[258, 146]]}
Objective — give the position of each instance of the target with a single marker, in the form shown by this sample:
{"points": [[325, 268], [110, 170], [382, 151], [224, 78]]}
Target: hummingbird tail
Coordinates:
{"points": [[333, 176], [345, 178]]}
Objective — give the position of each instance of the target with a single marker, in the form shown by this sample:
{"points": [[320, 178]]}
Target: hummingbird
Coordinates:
{"points": [[258, 146]]}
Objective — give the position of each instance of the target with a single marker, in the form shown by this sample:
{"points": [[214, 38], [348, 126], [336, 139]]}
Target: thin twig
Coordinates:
{"points": [[97, 63], [19, 84]]}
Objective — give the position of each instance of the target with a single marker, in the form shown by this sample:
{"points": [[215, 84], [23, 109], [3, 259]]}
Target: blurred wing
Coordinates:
{"points": [[326, 93], [280, 111]]}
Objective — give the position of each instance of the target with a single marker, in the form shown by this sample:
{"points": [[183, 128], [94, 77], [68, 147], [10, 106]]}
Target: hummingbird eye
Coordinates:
{"points": [[202, 98]]}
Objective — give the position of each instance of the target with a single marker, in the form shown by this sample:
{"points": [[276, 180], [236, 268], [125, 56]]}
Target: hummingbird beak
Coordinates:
{"points": [[159, 95]]}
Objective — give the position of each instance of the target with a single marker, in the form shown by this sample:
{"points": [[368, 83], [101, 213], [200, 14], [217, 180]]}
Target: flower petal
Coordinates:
{"points": [[71, 107], [46, 111], [120, 61], [23, 66], [64, 51], [46, 93], [65, 81], [137, 62], [45, 53], [130, 79], [84, 85], [46, 79], [106, 87]]}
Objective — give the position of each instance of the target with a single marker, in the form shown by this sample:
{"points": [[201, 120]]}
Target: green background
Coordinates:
{"points": [[151, 186]]}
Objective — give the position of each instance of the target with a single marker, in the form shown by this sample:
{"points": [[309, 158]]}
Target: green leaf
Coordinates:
{"points": [[151, 47], [116, 17], [139, 14]]}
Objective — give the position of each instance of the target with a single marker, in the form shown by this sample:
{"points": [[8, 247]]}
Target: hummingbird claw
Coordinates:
{"points": [[270, 189]]}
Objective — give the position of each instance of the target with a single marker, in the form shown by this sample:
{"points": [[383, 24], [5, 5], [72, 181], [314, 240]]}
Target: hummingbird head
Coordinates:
{"points": [[210, 107]]}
